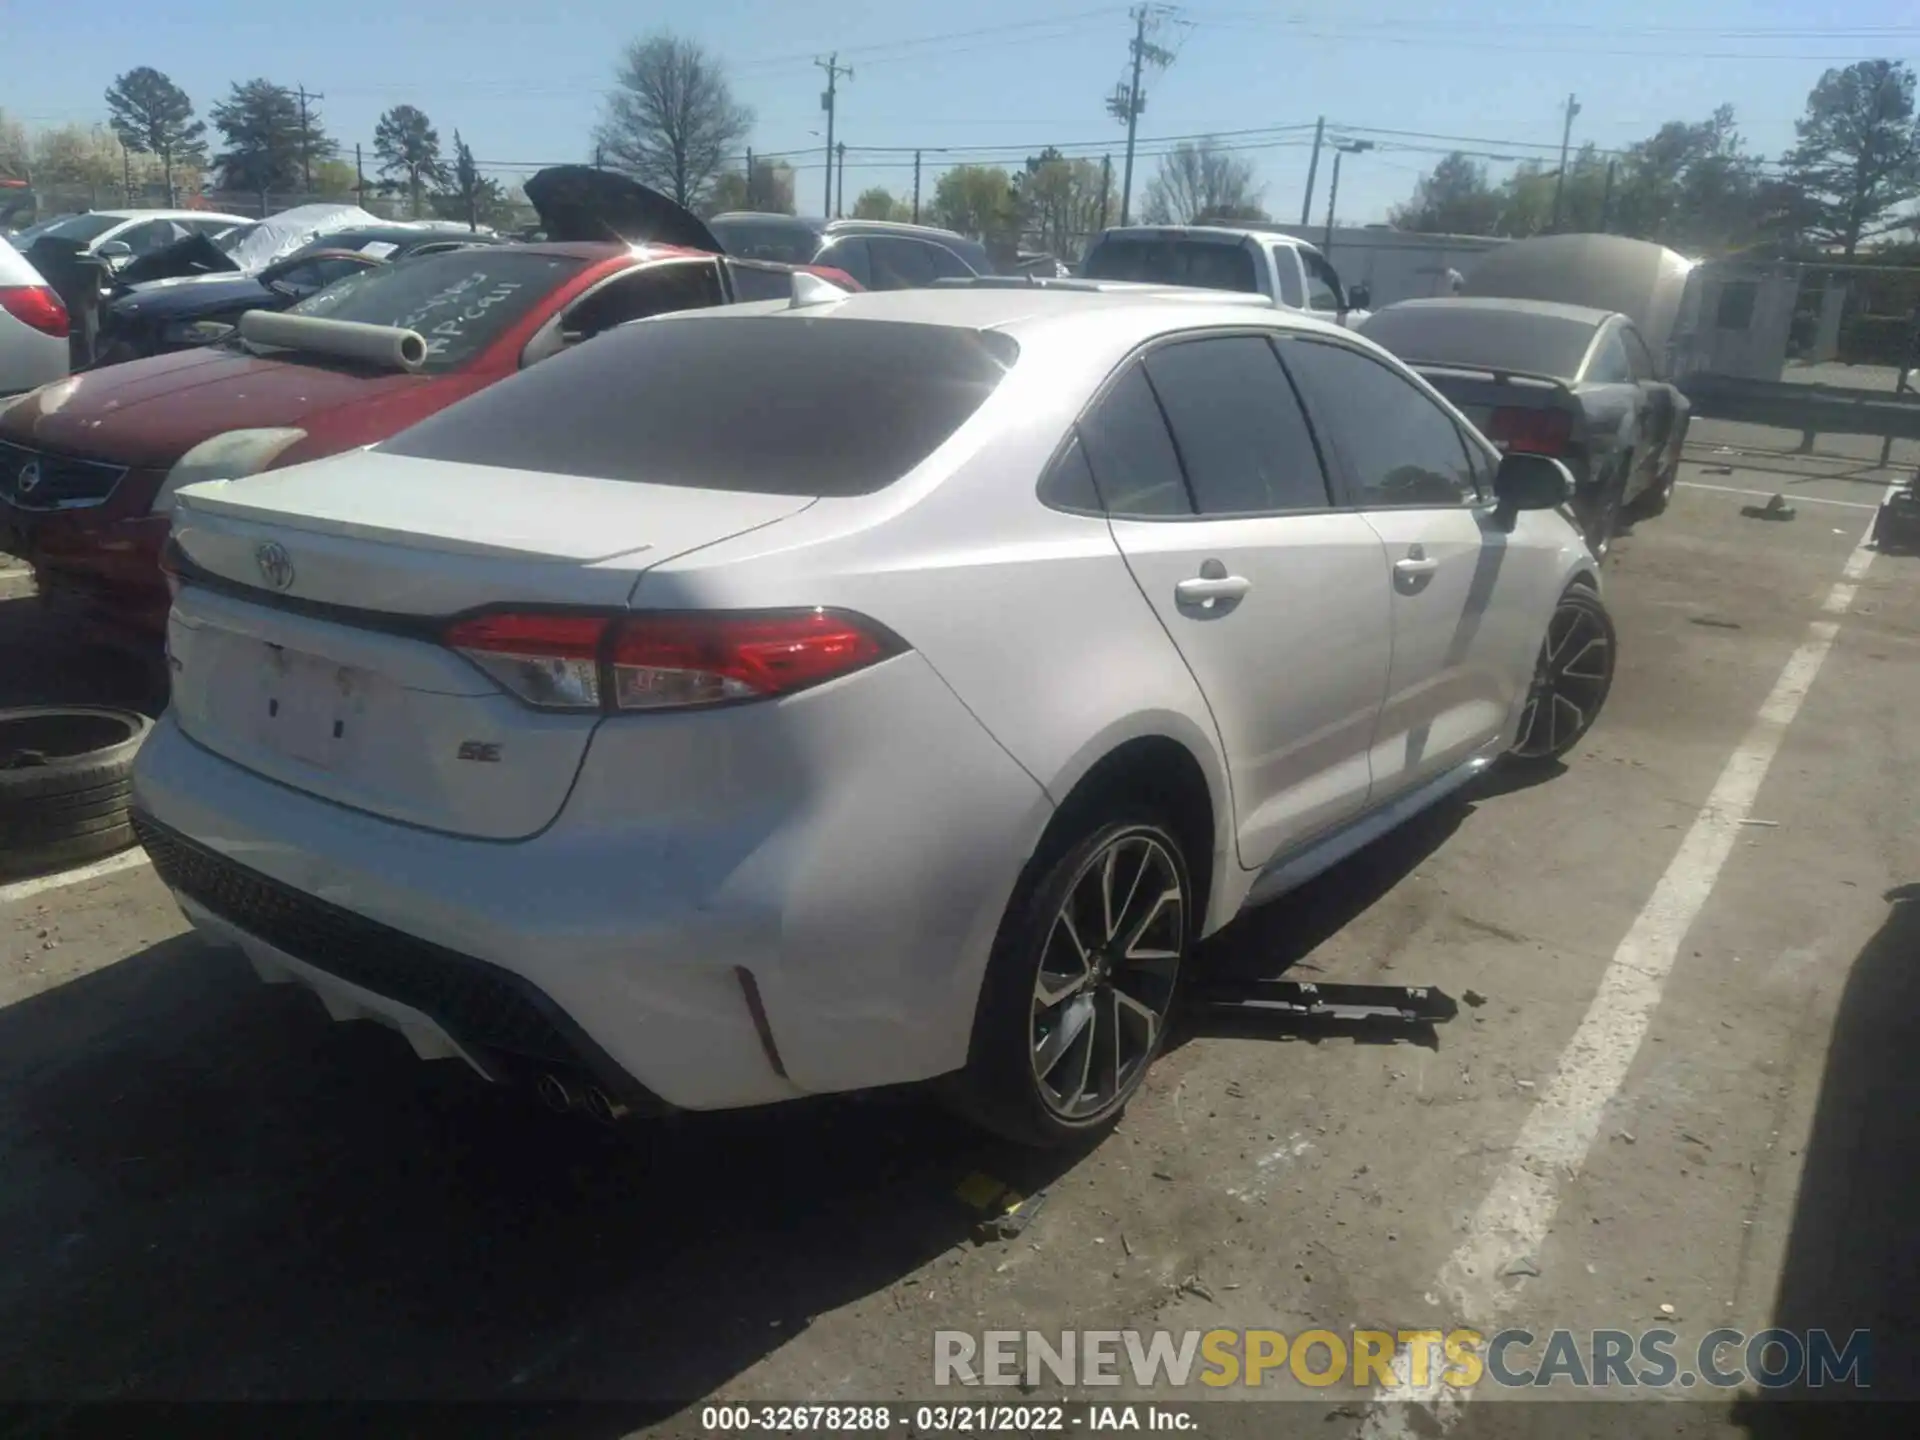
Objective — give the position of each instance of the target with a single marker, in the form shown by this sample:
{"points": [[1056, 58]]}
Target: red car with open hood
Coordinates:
{"points": [[89, 465]]}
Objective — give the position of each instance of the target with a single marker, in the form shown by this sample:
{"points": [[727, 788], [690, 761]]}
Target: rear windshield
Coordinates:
{"points": [[1206, 264], [460, 302], [1488, 339], [770, 404], [790, 242]]}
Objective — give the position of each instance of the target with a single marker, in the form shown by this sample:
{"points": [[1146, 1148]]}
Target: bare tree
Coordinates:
{"points": [[1202, 181], [408, 148], [672, 123]]}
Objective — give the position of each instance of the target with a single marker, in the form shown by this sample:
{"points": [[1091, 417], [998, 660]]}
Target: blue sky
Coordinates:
{"points": [[523, 82]]}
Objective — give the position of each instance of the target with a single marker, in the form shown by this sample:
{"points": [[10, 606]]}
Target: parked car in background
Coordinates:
{"points": [[89, 467], [121, 236], [1580, 385], [166, 315], [1656, 288], [1286, 270], [598, 732], [33, 327], [880, 254]]}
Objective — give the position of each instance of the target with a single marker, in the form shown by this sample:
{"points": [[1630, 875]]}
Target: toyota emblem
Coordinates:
{"points": [[28, 480], [276, 566]]}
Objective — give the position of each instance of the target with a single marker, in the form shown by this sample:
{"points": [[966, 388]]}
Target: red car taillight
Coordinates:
{"points": [[1534, 432], [37, 306], [561, 661]]}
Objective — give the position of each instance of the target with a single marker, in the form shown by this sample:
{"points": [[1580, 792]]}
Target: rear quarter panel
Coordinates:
{"points": [[1029, 614]]}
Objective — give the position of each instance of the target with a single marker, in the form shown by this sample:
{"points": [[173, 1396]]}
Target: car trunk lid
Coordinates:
{"points": [[306, 639]]}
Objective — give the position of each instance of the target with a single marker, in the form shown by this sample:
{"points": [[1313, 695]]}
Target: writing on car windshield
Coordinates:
{"points": [[460, 303]]}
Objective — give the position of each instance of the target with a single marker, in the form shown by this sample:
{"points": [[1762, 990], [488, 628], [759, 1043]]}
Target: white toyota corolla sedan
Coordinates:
{"points": [[803, 697]]}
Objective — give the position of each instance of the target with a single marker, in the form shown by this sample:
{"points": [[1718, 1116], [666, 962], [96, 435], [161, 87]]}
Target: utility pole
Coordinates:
{"points": [[916, 187], [126, 172], [749, 177], [828, 100], [1313, 170], [359, 179], [1340, 147], [1106, 187], [1606, 200], [306, 140], [599, 156], [840, 205], [1135, 104], [1566, 139]]}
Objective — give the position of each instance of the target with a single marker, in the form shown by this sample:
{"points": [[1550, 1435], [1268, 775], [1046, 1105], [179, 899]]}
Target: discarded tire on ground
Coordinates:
{"points": [[66, 776]]}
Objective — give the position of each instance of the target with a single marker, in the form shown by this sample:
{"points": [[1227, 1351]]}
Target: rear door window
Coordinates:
{"points": [[900, 264], [1242, 438], [849, 253], [776, 404], [1131, 454]]}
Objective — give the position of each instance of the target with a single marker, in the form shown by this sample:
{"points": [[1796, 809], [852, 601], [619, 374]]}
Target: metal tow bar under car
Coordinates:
{"points": [[1305, 1008]]}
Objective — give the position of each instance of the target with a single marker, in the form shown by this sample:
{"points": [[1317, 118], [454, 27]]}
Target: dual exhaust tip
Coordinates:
{"points": [[561, 1095]]}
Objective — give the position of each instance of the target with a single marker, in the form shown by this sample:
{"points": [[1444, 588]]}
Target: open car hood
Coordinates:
{"points": [[273, 238], [195, 255], [578, 202]]}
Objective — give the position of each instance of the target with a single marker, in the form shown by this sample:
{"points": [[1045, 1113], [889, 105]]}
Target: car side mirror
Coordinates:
{"points": [[113, 250], [1360, 297], [1530, 482]]}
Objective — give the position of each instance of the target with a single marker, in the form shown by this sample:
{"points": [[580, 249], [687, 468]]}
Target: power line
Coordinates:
{"points": [[1469, 40], [1264, 20]]}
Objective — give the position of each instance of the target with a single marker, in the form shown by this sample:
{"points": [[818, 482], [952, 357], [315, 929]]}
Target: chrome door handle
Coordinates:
{"points": [[1206, 590], [1413, 568]]}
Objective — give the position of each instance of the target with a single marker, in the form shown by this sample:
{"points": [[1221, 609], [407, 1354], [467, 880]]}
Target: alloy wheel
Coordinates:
{"points": [[1570, 681], [1107, 974]]}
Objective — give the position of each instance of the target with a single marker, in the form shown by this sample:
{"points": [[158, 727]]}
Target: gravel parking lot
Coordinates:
{"points": [[1688, 1096]]}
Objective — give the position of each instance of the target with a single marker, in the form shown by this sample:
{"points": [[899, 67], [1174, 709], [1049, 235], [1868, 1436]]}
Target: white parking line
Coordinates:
{"points": [[113, 864], [1797, 496], [1513, 1221]]}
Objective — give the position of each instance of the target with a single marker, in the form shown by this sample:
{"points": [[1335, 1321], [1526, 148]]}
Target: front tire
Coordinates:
{"points": [[1571, 680], [1081, 985]]}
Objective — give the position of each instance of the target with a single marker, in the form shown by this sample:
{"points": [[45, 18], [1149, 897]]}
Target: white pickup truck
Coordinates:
{"points": [[1286, 270]]}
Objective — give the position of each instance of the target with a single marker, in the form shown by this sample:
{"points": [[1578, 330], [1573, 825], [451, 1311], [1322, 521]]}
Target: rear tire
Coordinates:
{"points": [[1081, 984], [1571, 681]]}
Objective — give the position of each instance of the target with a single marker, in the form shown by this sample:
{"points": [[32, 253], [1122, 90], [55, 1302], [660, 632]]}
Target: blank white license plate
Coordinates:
{"points": [[312, 711]]}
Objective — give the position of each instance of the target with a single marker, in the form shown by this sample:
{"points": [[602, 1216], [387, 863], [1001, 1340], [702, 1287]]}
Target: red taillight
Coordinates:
{"points": [[37, 306], [548, 660], [666, 661], [1534, 432]]}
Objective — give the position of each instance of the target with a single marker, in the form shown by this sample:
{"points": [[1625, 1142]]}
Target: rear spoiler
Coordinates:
{"points": [[1500, 375]]}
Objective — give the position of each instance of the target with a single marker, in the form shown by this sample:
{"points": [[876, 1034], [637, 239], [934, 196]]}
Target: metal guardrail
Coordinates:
{"points": [[1810, 409]]}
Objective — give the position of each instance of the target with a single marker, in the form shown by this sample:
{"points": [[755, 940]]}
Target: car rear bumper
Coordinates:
{"points": [[834, 941]]}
